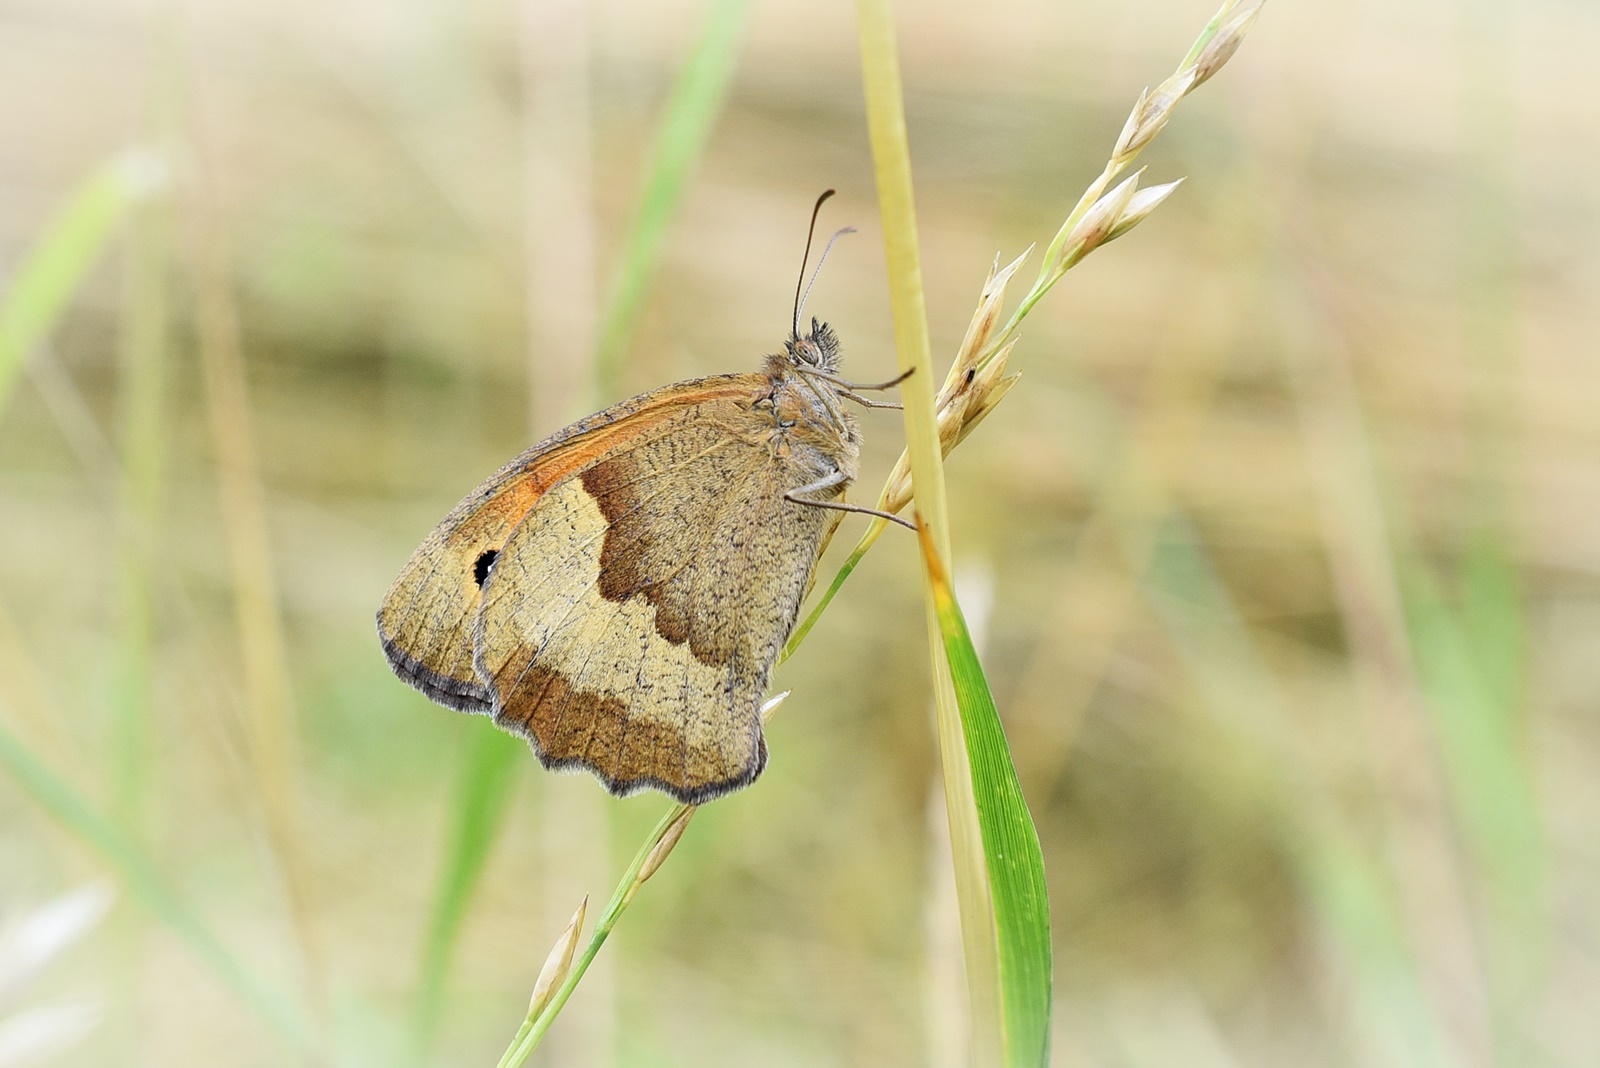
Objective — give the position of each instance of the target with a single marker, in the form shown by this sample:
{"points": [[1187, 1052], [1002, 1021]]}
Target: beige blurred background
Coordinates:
{"points": [[1286, 547]]}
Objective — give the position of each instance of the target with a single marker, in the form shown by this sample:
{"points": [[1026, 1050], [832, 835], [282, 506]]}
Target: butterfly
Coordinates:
{"points": [[619, 593]]}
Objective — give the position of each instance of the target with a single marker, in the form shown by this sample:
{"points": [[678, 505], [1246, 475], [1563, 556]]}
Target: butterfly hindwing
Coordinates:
{"points": [[631, 621]]}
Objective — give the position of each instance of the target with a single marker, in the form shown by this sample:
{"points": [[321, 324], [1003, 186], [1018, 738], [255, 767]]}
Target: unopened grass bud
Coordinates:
{"points": [[991, 384], [991, 301], [1151, 113], [669, 839], [771, 705], [1221, 48], [557, 964], [1140, 205], [1098, 221], [897, 489]]}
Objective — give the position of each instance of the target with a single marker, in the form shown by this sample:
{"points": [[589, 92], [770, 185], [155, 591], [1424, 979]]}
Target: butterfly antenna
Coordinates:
{"points": [[798, 282], [837, 234]]}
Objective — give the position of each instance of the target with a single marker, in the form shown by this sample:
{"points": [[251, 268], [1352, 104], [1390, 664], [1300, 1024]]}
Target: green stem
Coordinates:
{"points": [[877, 527], [529, 1036]]}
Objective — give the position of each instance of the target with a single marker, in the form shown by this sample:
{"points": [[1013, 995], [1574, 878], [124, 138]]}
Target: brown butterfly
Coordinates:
{"points": [[618, 593]]}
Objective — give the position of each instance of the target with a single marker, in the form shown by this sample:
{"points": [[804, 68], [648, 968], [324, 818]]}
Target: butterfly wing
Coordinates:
{"points": [[632, 620], [426, 620]]}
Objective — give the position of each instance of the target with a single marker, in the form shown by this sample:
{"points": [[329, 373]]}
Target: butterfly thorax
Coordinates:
{"points": [[811, 427]]}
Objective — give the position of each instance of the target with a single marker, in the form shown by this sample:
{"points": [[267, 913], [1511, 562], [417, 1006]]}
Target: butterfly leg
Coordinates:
{"points": [[865, 403], [828, 482]]}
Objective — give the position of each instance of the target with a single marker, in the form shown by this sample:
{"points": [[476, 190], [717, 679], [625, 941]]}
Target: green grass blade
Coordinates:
{"points": [[142, 414], [691, 115], [70, 246], [146, 884], [1471, 661], [488, 777], [1010, 840]]}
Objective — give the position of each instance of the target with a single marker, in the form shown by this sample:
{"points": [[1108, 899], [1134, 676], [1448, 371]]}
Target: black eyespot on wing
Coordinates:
{"points": [[484, 565]]}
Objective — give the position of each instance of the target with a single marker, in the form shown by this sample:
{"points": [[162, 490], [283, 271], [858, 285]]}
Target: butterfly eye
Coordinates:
{"points": [[484, 565]]}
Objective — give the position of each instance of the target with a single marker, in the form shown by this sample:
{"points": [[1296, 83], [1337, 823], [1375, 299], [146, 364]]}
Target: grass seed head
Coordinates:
{"points": [[961, 406]]}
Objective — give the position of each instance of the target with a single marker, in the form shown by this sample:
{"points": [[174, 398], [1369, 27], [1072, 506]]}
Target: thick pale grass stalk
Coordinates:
{"points": [[1012, 862], [891, 155]]}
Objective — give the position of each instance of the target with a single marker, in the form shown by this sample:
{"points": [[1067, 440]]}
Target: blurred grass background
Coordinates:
{"points": [[1291, 527]]}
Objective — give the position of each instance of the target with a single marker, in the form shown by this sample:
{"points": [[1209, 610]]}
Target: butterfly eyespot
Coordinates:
{"points": [[484, 565]]}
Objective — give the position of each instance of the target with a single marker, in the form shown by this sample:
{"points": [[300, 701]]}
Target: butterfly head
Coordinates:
{"points": [[818, 350]]}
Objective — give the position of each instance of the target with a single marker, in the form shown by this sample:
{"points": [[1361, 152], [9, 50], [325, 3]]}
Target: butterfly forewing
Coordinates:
{"points": [[426, 620]]}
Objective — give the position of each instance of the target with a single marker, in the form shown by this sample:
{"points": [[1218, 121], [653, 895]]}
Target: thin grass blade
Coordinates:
{"points": [[69, 247], [150, 887], [691, 115], [488, 778], [1471, 661]]}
